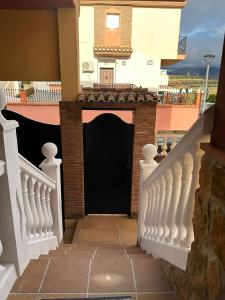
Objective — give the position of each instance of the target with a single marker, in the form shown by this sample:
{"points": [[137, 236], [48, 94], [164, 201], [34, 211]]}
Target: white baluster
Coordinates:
{"points": [[48, 204], [176, 171], [174, 142], [37, 197], [44, 209], [164, 147], [186, 165], [151, 210], [147, 221], [27, 209], [197, 154], [157, 144], [31, 183], [165, 212], [147, 166], [160, 207], [155, 216]]}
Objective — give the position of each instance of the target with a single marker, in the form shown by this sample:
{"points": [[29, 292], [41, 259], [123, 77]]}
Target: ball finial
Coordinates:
{"points": [[2, 100], [49, 150], [149, 152]]}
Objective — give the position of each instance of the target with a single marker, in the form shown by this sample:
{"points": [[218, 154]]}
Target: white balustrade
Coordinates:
{"points": [[166, 142], [30, 206], [168, 192], [37, 187]]}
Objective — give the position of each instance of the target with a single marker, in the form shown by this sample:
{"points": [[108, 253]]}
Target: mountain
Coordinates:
{"points": [[195, 71]]}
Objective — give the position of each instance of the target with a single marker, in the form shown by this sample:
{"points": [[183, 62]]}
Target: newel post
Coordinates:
{"points": [[12, 217], [147, 166], [51, 167]]}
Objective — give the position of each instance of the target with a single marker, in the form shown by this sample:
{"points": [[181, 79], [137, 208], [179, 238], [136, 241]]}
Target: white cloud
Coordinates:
{"points": [[203, 22]]}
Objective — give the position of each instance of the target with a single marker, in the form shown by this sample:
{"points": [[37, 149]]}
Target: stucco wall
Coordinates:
{"points": [[176, 117], [29, 49], [170, 117]]}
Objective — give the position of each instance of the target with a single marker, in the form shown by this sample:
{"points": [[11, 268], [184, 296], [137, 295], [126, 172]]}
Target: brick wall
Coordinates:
{"points": [[117, 37], [144, 133], [72, 152], [72, 149]]}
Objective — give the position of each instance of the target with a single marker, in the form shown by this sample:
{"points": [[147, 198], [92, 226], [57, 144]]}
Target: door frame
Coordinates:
{"points": [[100, 73], [107, 64]]}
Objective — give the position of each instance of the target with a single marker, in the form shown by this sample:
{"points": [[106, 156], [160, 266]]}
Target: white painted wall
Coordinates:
{"points": [[155, 36]]}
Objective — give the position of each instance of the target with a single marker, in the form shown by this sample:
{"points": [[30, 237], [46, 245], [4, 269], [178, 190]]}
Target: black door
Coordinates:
{"points": [[107, 165]]}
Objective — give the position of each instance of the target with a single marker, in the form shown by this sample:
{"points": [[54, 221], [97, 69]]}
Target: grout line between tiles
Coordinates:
{"points": [[119, 234], [135, 284], [42, 281], [89, 274]]}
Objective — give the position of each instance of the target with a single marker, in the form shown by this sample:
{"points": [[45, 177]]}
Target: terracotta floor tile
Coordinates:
{"points": [[89, 235], [128, 223], [110, 235], [111, 275], [31, 279], [149, 276], [21, 297], [66, 276], [157, 296], [128, 236]]}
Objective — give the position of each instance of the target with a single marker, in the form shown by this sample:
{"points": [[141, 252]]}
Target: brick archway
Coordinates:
{"points": [[144, 115]]}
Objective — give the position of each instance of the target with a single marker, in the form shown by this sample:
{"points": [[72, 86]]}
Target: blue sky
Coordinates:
{"points": [[203, 21]]}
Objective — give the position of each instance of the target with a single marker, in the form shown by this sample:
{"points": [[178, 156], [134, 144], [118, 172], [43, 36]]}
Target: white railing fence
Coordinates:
{"points": [[166, 142], [167, 195], [30, 206]]}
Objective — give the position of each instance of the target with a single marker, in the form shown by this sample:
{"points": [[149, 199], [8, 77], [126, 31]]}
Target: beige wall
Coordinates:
{"points": [[155, 31], [29, 45]]}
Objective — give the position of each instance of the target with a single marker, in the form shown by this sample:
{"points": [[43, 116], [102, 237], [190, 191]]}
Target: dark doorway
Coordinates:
{"points": [[107, 165]]}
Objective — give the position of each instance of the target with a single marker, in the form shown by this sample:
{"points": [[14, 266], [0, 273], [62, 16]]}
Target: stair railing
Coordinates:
{"points": [[30, 206], [41, 204], [167, 195]]}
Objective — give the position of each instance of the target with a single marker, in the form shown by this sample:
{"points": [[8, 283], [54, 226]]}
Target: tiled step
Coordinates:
{"points": [[137, 255], [135, 251], [149, 275]]}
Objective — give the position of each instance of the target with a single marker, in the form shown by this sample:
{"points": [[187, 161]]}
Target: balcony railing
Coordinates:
{"points": [[167, 195], [182, 46], [177, 98], [37, 96]]}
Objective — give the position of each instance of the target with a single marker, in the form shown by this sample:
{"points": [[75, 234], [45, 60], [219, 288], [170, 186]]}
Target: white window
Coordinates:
{"points": [[112, 21]]}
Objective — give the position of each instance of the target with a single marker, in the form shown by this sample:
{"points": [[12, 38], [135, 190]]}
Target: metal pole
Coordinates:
{"points": [[205, 96]]}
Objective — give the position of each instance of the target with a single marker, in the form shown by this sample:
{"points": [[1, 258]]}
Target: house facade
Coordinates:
{"points": [[122, 39]]}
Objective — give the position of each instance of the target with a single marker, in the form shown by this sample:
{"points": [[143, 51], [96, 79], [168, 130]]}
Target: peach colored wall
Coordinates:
{"points": [[168, 117], [176, 117], [44, 113], [90, 115]]}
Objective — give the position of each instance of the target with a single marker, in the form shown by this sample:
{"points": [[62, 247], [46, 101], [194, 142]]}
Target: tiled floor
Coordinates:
{"points": [[102, 261]]}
